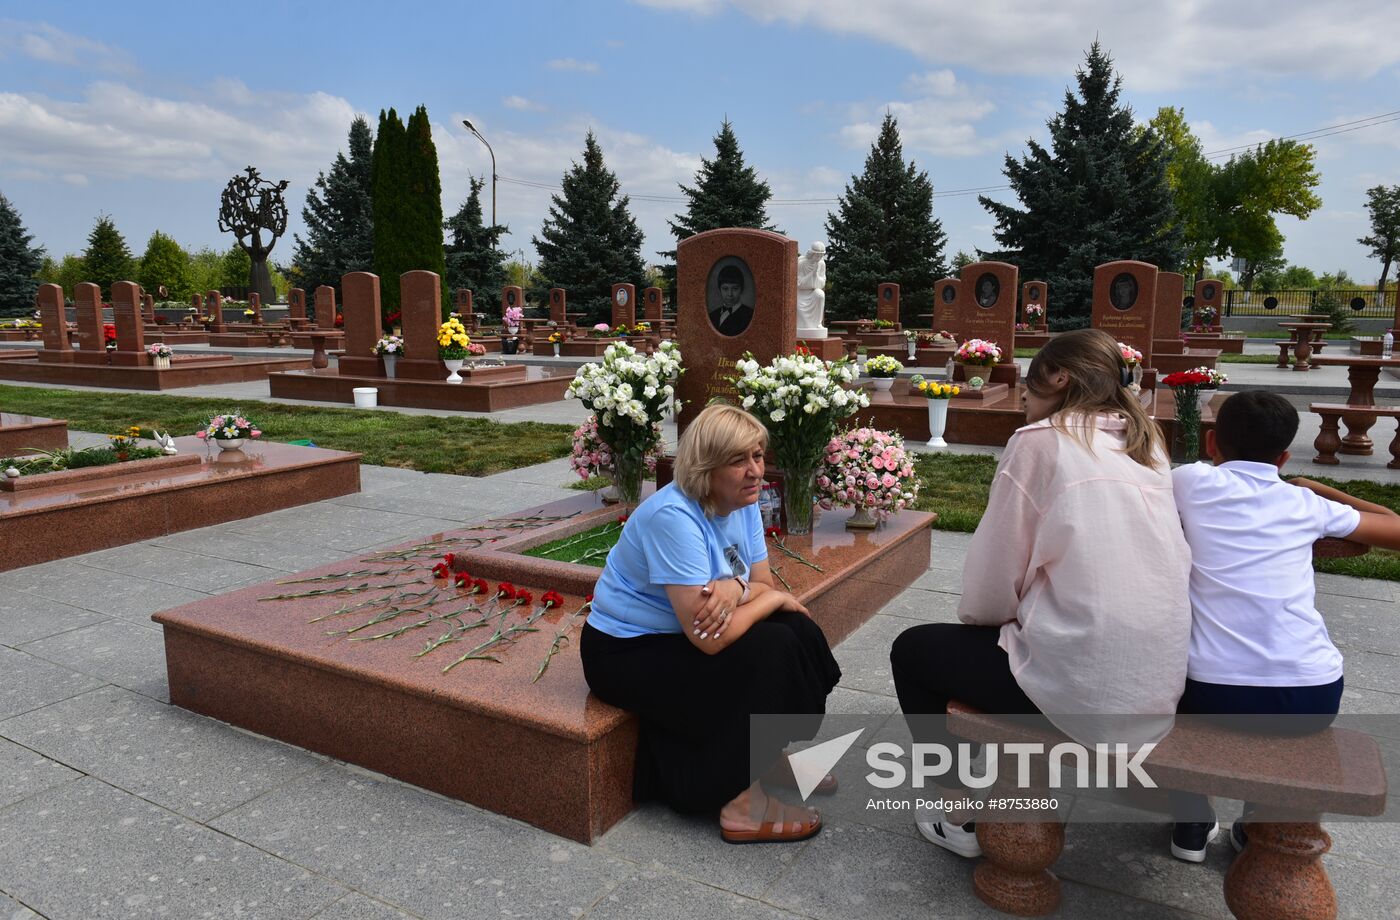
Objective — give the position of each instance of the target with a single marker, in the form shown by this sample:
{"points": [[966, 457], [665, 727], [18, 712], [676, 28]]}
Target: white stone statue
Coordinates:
{"points": [[811, 298]]}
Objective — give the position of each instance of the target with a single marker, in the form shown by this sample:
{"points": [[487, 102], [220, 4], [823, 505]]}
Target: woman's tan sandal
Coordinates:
{"points": [[775, 831]]}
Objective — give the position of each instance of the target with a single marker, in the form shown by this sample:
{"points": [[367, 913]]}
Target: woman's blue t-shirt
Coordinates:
{"points": [[669, 540]]}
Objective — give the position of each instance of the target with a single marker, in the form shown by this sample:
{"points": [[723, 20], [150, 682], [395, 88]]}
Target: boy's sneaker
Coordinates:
{"points": [[1238, 838], [960, 839], [1190, 839]]}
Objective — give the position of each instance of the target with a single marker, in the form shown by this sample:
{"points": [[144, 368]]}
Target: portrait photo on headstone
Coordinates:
{"points": [[621, 297], [949, 294], [729, 295], [988, 290], [1123, 293], [1034, 293], [510, 298], [1208, 292]]}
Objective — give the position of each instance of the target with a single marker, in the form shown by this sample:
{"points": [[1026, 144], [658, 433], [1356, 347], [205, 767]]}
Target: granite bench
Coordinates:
{"points": [[1285, 347], [1278, 876], [1329, 439]]}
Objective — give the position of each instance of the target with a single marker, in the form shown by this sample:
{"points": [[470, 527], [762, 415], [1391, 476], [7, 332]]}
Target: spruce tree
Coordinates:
{"points": [[590, 240], [1098, 194], [389, 185], [165, 263], [106, 258], [473, 259], [726, 194], [19, 263], [339, 217], [884, 230]]}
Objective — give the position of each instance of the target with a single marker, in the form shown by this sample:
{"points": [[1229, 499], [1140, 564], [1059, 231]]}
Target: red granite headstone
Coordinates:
{"points": [[987, 304], [624, 305], [296, 304], [653, 305], [325, 308], [420, 299], [255, 304], [148, 308], [197, 301], [87, 303], [1125, 303], [558, 307], [946, 295], [763, 321], [1036, 292], [464, 309], [1166, 322], [54, 323], [214, 305], [126, 316], [362, 324], [887, 303], [1209, 293]]}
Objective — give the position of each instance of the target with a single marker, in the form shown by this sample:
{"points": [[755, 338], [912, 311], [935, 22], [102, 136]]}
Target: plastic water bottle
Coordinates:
{"points": [[767, 507], [1388, 343]]}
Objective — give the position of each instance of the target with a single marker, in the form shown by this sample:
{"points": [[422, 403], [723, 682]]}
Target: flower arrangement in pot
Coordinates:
{"points": [[911, 338], [1186, 385], [160, 355], [882, 370], [1133, 358], [629, 395], [799, 399], [556, 339], [389, 348], [229, 430], [1034, 313], [109, 336], [870, 471], [940, 338], [978, 352], [592, 456], [938, 395], [884, 324], [453, 343], [601, 331], [1207, 315], [512, 318]]}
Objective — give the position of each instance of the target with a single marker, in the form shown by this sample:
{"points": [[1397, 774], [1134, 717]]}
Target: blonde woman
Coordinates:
{"points": [[688, 632], [1074, 594]]}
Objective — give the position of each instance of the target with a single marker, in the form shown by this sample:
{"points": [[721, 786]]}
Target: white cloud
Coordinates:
{"points": [[521, 104], [574, 64], [1190, 42], [941, 121], [42, 42], [75, 179]]}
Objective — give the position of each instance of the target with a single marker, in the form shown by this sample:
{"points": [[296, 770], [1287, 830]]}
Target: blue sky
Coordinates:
{"points": [[144, 110]]}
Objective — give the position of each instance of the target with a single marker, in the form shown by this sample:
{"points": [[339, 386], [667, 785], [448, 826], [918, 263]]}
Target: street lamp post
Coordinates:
{"points": [[472, 128]]}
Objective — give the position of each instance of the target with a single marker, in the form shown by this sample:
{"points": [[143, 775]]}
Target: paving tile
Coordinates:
{"points": [[925, 606], [656, 837], [87, 850], [23, 773], [1355, 622], [173, 566], [1366, 670], [879, 632], [220, 543], [11, 909], [846, 701], [192, 765], [314, 533], [126, 654], [653, 894], [25, 617], [355, 906], [111, 593], [1347, 586], [27, 682], [430, 855], [865, 669], [949, 580]]}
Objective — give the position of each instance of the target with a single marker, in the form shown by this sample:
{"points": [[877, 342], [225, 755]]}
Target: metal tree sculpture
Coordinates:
{"points": [[250, 207]]}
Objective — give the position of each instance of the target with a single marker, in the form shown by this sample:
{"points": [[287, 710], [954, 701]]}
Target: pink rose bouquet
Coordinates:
{"points": [[867, 468]]}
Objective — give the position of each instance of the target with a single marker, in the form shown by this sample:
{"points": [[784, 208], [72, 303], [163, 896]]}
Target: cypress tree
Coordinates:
{"points": [[19, 263], [1098, 194], [423, 222], [590, 240], [884, 230], [473, 259], [106, 258], [165, 262], [388, 181], [339, 217]]}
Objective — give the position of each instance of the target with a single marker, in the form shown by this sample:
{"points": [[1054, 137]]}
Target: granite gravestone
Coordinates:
{"points": [[255, 304], [946, 294], [126, 316], [214, 304], [624, 306], [362, 324], [420, 300], [296, 307], [464, 309], [1166, 323], [1125, 303], [148, 308], [768, 263], [1036, 292], [987, 304], [87, 304], [54, 324], [325, 308], [653, 305], [511, 296], [887, 303], [1209, 293], [558, 307]]}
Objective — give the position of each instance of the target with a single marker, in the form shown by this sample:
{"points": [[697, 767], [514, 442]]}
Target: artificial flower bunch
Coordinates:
{"points": [[159, 350], [1131, 356], [229, 425], [1216, 377], [453, 340], [513, 316], [883, 366], [1196, 377], [1207, 315], [555, 338], [978, 351], [867, 468], [390, 345], [601, 331], [109, 336], [592, 456], [1033, 312], [249, 312], [884, 324], [476, 350], [629, 394], [932, 389], [640, 329], [799, 399]]}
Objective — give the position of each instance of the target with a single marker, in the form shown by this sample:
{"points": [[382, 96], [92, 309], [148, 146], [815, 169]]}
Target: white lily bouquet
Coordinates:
{"points": [[629, 394], [800, 399]]}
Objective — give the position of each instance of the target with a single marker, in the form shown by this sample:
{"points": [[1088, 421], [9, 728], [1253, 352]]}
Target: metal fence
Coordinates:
{"points": [[1364, 302]]}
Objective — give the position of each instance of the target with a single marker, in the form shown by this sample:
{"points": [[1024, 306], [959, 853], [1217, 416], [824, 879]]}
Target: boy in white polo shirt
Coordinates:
{"points": [[1258, 643]]}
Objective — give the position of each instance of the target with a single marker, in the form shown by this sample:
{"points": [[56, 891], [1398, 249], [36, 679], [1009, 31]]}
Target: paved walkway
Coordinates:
{"points": [[113, 804]]}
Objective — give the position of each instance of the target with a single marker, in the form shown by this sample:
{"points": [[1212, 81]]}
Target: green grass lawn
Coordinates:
{"points": [[587, 548], [431, 444]]}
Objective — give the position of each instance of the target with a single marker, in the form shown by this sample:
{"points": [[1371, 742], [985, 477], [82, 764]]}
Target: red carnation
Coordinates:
{"points": [[588, 599], [462, 580], [1186, 379], [480, 586], [449, 559], [622, 519], [773, 532], [552, 599], [523, 597], [441, 570], [505, 590]]}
